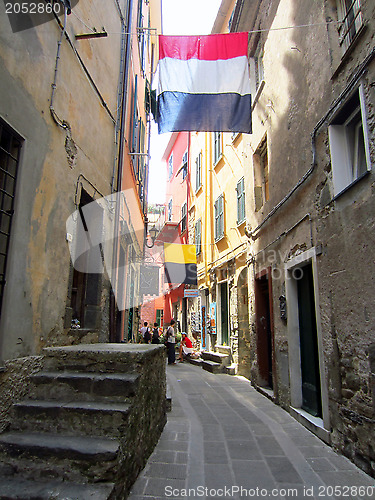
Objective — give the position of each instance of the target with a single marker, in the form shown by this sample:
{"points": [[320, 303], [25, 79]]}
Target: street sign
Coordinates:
{"points": [[191, 293]]}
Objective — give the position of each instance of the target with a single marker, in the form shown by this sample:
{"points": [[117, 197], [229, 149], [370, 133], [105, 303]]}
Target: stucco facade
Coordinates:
{"points": [[75, 141]]}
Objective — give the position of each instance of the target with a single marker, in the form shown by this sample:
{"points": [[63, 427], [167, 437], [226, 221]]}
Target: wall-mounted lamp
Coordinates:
{"points": [[152, 233]]}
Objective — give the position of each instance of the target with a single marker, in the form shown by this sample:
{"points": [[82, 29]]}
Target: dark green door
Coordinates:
{"points": [[224, 313], [311, 392]]}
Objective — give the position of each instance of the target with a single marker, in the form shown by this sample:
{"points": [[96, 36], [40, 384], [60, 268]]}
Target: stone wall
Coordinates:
{"points": [[147, 418], [14, 383]]}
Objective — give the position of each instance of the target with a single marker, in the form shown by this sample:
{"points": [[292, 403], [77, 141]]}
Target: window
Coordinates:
{"points": [[198, 237], [198, 171], [349, 143], [219, 218], [350, 16], [240, 201], [261, 182], [10, 148], [169, 215], [170, 166], [184, 166], [183, 217], [217, 147], [258, 62], [135, 119]]}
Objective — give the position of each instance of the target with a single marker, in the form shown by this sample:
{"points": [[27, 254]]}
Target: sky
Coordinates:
{"points": [[180, 17]]}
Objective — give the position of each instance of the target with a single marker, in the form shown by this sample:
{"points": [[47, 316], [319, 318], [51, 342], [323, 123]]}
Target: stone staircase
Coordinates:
{"points": [[92, 417], [218, 361]]}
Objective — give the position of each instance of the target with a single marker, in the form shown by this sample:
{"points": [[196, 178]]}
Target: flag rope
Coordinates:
{"points": [[250, 32]]}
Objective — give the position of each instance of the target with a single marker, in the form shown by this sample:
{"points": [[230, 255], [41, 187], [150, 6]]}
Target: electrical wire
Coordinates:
{"points": [[250, 32], [83, 22]]}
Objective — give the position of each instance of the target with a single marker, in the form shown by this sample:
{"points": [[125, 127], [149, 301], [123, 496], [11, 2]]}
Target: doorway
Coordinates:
{"points": [[308, 387], [310, 374], [86, 281], [244, 364], [224, 313], [263, 313]]}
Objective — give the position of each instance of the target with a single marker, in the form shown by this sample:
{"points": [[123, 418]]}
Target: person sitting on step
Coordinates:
{"points": [[186, 347]]}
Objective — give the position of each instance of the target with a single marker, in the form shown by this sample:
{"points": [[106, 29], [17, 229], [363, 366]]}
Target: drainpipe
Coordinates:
{"points": [[115, 256]]}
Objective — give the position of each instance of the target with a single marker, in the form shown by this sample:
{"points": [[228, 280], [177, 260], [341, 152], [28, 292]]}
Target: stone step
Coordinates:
{"points": [[70, 385], [212, 366], [223, 349], [196, 361], [217, 357], [99, 358], [20, 489], [231, 369], [82, 417], [44, 455]]}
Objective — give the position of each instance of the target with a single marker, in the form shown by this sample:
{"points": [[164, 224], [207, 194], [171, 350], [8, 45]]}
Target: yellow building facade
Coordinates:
{"points": [[218, 209], [219, 217]]}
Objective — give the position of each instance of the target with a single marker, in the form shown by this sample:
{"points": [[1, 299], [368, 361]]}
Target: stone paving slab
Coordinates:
{"points": [[223, 439]]}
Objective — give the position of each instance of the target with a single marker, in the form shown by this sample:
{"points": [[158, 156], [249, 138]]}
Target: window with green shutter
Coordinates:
{"points": [[217, 147], [219, 218], [198, 171], [241, 215], [183, 217], [198, 237], [169, 218], [170, 166], [184, 166]]}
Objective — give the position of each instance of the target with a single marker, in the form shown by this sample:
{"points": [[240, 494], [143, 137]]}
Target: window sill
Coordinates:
{"points": [[221, 157], [257, 94], [198, 190], [241, 222], [235, 137], [314, 424], [343, 191], [220, 238]]}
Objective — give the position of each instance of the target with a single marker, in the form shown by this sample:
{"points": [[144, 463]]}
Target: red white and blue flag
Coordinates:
{"points": [[204, 83]]}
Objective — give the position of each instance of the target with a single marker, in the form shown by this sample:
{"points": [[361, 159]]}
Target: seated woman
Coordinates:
{"points": [[186, 347]]}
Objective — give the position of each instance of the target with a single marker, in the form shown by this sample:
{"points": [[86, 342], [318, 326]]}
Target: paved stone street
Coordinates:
{"points": [[223, 439]]}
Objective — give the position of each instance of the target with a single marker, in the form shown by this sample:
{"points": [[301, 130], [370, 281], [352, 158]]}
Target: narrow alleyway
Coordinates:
{"points": [[223, 439]]}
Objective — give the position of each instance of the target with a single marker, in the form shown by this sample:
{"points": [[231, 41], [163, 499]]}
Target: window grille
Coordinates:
{"points": [[10, 147], [351, 15]]}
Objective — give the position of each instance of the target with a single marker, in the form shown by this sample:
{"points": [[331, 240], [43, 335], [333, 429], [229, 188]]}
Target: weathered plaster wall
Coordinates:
{"points": [[304, 75], [52, 160]]}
